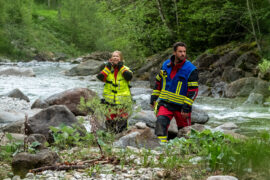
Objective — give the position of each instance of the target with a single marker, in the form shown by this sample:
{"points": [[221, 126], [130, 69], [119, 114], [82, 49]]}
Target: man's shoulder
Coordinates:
{"points": [[166, 63]]}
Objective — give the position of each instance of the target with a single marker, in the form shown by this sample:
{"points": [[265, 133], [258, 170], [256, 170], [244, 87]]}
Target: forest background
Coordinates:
{"points": [[139, 28]]}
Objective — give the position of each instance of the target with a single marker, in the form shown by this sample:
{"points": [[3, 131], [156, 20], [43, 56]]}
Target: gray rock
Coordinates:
{"points": [[198, 116], [15, 137], [16, 93], [148, 117], [231, 74], [141, 125], [218, 91], [71, 99], [23, 162], [6, 117], [14, 127], [254, 98], [138, 138], [227, 126], [186, 130], [89, 67], [40, 103], [244, 86], [52, 116], [15, 71], [222, 178]]}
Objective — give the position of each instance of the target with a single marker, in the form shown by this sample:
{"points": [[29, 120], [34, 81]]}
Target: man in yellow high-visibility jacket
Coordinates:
{"points": [[116, 91]]}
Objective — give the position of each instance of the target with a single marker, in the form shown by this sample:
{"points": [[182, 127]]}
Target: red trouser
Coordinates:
{"points": [[180, 120]]}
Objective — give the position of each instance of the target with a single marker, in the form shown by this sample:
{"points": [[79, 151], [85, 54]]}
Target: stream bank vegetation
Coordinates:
{"points": [[199, 155]]}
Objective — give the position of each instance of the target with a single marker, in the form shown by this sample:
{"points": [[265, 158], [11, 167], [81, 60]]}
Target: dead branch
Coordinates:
{"points": [[79, 165], [26, 124]]}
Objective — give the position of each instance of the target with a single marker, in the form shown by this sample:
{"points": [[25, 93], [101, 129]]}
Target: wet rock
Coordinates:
{"points": [[204, 90], [39, 103], [52, 116], [198, 116], [71, 99], [227, 126], [15, 71], [254, 98], [244, 86], [218, 91], [23, 162], [16, 93], [222, 178], [89, 67]]}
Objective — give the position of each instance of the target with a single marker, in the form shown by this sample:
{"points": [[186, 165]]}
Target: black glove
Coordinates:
{"points": [[120, 65], [108, 65], [186, 108]]}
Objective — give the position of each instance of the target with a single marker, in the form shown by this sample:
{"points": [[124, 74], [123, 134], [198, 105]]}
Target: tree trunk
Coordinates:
{"points": [[253, 27], [176, 16], [163, 17], [49, 3]]}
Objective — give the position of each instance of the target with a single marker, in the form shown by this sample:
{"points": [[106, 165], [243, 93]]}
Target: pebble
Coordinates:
{"points": [[13, 104]]}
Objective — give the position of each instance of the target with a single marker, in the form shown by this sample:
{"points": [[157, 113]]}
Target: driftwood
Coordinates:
{"points": [[79, 165]]}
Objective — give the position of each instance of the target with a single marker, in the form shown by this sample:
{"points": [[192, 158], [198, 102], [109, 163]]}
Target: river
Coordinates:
{"points": [[50, 80]]}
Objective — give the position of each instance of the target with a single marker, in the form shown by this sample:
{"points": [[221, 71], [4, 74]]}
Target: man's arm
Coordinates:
{"points": [[192, 91]]}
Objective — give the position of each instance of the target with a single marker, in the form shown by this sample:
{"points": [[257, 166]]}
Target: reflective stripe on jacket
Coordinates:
{"points": [[116, 91], [175, 90]]}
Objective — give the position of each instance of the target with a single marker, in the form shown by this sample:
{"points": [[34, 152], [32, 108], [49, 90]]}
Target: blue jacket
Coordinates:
{"points": [[175, 90]]}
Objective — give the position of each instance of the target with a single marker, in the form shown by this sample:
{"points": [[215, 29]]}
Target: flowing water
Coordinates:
{"points": [[50, 80]]}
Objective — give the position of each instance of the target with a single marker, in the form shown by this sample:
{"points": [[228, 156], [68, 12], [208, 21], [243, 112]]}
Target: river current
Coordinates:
{"points": [[50, 79]]}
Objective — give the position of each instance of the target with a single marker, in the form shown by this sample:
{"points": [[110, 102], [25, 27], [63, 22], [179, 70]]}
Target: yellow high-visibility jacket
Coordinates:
{"points": [[116, 91]]}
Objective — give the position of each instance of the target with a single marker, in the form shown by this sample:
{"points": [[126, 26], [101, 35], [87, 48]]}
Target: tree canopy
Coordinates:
{"points": [[137, 27]]}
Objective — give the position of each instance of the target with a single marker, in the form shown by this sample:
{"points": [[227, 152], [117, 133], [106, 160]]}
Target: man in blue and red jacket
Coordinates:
{"points": [[175, 91]]}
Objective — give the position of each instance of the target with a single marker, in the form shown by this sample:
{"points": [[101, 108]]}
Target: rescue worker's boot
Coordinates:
{"points": [[161, 129]]}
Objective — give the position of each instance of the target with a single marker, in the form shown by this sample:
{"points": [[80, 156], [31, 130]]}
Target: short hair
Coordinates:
{"points": [[120, 54], [175, 45]]}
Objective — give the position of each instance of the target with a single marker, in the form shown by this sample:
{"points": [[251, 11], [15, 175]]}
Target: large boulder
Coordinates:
{"points": [[231, 74], [70, 98], [89, 67], [244, 86], [90, 64], [16, 93], [15, 71], [248, 61], [205, 60], [23, 162], [53, 116]]}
